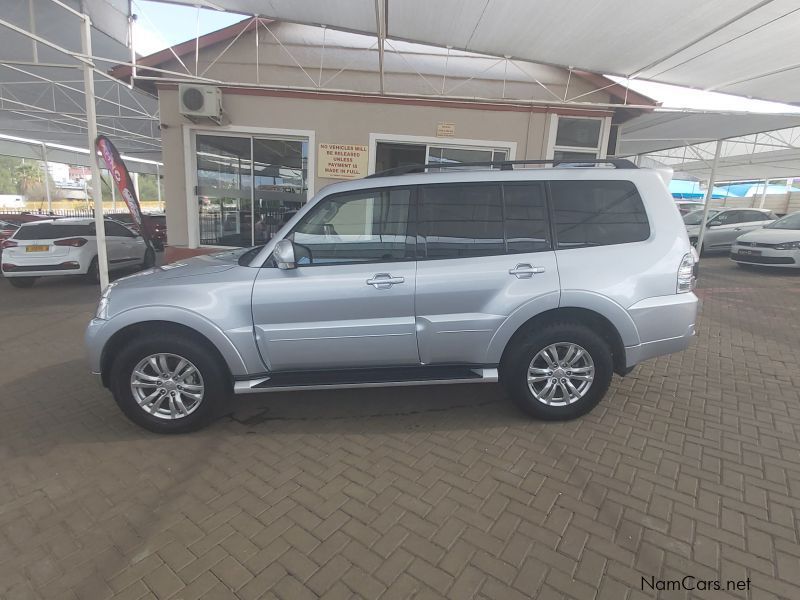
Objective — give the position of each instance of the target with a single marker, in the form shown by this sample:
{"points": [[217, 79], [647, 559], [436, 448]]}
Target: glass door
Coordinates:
{"points": [[224, 190], [280, 174], [247, 186]]}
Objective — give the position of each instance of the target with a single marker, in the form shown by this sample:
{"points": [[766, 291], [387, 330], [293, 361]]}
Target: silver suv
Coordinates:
{"points": [[549, 280]]}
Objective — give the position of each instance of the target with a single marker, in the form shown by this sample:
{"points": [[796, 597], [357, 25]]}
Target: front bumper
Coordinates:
{"points": [[768, 257], [95, 342]]}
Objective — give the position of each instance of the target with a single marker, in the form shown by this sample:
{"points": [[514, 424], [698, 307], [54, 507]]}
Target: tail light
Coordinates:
{"points": [[686, 274], [8, 244], [73, 242]]}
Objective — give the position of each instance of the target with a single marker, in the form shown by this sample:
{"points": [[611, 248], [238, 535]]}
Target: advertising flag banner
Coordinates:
{"points": [[122, 179]]}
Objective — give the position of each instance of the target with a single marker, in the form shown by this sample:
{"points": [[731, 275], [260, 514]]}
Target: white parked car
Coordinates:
{"points": [[727, 225], [776, 245], [69, 247]]}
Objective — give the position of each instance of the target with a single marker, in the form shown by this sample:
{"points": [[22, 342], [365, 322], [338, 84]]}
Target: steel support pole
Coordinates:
{"points": [[764, 194], [47, 179], [91, 125], [709, 193], [158, 188]]}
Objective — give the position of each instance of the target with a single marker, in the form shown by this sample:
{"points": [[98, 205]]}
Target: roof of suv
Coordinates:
{"points": [[479, 175]]}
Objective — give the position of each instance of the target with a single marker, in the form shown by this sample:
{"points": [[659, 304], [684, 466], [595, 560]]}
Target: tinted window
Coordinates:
{"points": [[729, 217], [526, 218], [50, 231], [460, 221], [363, 226], [788, 222], [117, 230], [755, 215], [597, 213]]}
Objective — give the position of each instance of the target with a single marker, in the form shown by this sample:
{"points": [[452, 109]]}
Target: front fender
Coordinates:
{"points": [[100, 332]]}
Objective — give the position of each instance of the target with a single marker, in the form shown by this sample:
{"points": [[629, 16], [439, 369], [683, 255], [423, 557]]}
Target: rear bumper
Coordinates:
{"points": [[636, 354], [666, 324]]}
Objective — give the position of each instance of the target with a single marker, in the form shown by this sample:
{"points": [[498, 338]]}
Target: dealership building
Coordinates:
{"points": [[302, 107]]}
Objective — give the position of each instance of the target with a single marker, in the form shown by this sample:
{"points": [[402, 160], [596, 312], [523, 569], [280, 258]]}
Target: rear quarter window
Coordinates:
{"points": [[598, 213]]}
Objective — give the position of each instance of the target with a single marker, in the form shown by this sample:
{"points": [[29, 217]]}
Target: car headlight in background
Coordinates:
{"points": [[788, 246]]}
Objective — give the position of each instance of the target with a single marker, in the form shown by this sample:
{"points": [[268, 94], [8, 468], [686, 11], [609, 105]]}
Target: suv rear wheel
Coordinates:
{"points": [[168, 384], [559, 372]]}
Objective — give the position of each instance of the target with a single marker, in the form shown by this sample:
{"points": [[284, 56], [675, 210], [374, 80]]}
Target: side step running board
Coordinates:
{"points": [[357, 378]]}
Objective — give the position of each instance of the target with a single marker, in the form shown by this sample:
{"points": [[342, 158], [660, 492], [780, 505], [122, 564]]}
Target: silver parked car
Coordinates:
{"points": [[549, 280], [727, 225], [776, 245]]}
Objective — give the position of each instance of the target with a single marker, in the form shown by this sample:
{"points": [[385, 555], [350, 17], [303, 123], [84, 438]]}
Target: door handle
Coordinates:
{"points": [[737, 228], [383, 281], [525, 271]]}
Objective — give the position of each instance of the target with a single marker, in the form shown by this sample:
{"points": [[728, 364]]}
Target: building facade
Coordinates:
{"points": [[304, 107]]}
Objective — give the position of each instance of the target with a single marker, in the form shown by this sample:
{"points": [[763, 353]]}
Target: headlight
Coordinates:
{"points": [[788, 246]]}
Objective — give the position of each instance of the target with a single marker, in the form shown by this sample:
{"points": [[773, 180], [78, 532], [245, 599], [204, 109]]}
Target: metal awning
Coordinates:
{"points": [[732, 46]]}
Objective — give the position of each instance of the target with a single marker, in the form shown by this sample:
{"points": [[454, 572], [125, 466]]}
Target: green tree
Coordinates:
{"points": [[8, 184], [28, 176]]}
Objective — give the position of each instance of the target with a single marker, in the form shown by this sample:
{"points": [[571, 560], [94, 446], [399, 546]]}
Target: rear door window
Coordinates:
{"points": [[598, 213], [461, 221], [525, 208]]}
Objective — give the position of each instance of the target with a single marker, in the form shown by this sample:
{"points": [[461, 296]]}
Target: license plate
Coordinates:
{"points": [[37, 248], [750, 252]]}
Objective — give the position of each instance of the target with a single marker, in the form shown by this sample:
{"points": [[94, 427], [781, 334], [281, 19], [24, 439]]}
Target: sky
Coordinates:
{"points": [[162, 25]]}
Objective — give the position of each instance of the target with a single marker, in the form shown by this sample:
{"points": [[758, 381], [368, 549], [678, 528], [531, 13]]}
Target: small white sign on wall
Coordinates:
{"points": [[342, 161]]}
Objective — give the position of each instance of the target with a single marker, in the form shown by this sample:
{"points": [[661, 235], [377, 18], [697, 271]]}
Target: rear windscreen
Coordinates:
{"points": [[51, 231]]}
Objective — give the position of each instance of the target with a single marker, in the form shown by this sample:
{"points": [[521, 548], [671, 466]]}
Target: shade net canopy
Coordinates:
{"points": [[42, 87], [742, 47]]}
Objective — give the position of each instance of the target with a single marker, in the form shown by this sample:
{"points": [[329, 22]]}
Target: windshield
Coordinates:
{"points": [[696, 216], [788, 222]]}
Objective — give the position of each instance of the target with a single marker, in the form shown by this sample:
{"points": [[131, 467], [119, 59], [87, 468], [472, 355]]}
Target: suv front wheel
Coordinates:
{"points": [[168, 383], [558, 372]]}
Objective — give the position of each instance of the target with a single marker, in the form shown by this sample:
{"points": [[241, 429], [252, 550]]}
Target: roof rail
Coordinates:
{"points": [[504, 165]]}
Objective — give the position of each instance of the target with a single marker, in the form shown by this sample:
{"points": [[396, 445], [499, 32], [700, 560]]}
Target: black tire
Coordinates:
{"points": [[149, 258], [93, 274], [214, 376], [518, 357], [22, 282]]}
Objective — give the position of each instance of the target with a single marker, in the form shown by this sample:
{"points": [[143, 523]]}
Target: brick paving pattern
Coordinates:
{"points": [[689, 466]]}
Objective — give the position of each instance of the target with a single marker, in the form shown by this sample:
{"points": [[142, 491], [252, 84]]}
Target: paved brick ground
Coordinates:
{"points": [[691, 466]]}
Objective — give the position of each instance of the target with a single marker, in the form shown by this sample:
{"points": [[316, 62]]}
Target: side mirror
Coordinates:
{"points": [[284, 255], [712, 224]]}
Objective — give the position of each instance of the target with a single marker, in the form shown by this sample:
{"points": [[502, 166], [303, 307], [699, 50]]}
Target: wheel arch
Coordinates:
{"points": [[590, 318], [134, 330]]}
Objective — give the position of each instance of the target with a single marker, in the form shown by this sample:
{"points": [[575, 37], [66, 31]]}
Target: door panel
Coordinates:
{"points": [[462, 303], [486, 251], [328, 316], [350, 301]]}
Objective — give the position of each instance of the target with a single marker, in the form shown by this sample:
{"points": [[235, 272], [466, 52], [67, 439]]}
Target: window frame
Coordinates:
{"points": [[411, 232], [600, 151], [554, 225]]}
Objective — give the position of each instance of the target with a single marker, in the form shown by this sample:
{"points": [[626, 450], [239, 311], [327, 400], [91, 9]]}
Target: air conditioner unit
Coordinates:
{"points": [[200, 101]]}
